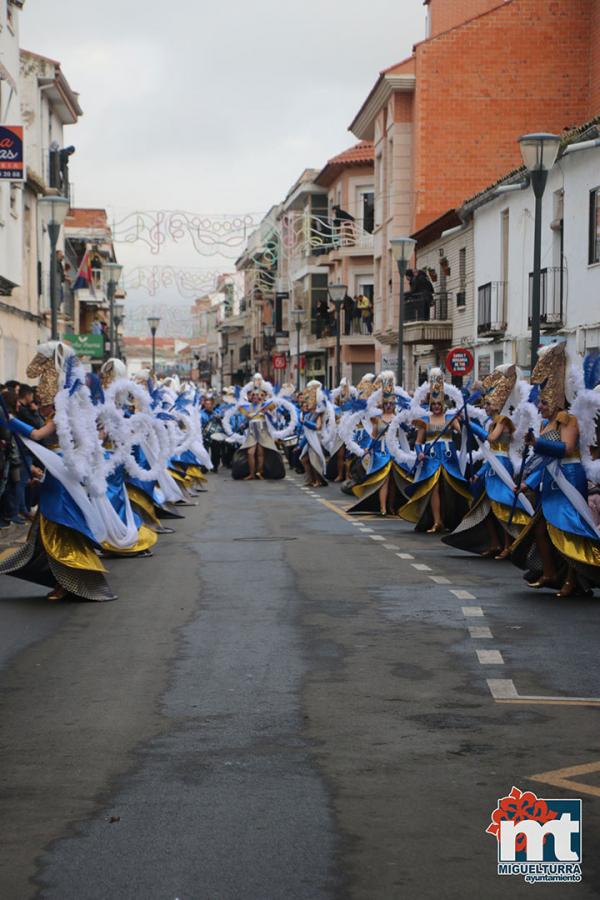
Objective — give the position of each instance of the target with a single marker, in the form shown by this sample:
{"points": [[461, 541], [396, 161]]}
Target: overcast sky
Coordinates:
{"points": [[212, 106]]}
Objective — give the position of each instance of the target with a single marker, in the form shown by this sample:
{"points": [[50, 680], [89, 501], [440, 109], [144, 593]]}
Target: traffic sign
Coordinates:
{"points": [[279, 361], [459, 361]]}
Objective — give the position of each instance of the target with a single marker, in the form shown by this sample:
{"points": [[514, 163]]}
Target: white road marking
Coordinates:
{"points": [[490, 657], [463, 595], [421, 567], [472, 611], [405, 555], [376, 537], [502, 688], [480, 632], [366, 530], [391, 546], [440, 579]]}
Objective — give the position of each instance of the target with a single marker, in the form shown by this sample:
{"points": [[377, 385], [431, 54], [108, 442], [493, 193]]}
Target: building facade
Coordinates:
{"points": [[445, 121]]}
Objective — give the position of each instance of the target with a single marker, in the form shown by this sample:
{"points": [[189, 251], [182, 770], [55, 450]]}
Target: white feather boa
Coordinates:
{"points": [[397, 441], [280, 434], [586, 409]]}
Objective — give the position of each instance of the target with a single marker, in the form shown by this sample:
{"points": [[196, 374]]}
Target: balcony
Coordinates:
{"points": [[427, 318], [552, 290], [307, 236], [492, 303]]}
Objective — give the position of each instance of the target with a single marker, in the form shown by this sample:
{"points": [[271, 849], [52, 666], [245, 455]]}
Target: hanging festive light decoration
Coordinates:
{"points": [[189, 283], [224, 235]]}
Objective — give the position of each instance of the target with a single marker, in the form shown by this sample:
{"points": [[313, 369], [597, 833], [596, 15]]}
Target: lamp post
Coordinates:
{"points": [[112, 272], [53, 212], [119, 318], [402, 250], [337, 293], [153, 322], [297, 316], [269, 331], [539, 152]]}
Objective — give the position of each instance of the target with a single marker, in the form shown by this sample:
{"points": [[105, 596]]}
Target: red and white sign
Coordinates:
{"points": [[279, 361], [460, 361]]}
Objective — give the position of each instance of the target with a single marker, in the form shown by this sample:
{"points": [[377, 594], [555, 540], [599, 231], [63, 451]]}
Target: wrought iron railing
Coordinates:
{"points": [[427, 307], [491, 307], [552, 291]]}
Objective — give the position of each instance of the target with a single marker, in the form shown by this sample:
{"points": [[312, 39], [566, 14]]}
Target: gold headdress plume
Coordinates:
{"points": [[111, 370], [436, 387], [387, 382], [311, 394], [498, 386], [366, 386], [47, 366], [550, 372]]}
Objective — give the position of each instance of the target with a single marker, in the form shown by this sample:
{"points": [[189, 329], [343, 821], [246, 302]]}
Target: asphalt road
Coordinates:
{"points": [[281, 706]]}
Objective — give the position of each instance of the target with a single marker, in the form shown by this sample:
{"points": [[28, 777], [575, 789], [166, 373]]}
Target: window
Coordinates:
{"points": [[367, 210], [461, 296], [594, 245]]}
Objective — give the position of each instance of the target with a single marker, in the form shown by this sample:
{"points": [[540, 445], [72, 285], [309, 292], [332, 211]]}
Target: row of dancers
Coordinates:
{"points": [[510, 472]]}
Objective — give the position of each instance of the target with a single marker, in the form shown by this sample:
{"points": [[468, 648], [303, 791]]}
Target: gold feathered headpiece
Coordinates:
{"points": [[47, 366], [366, 386], [387, 382], [311, 394], [550, 372], [111, 371], [436, 387], [498, 386]]}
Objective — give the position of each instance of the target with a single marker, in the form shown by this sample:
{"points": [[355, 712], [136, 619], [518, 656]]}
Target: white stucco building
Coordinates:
{"points": [[503, 228], [481, 259]]}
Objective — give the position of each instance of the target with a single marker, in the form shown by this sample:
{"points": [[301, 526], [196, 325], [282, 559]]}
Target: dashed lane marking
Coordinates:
{"points": [[421, 567], [470, 612], [480, 632], [405, 555], [502, 689], [490, 657], [439, 579], [463, 595], [391, 546], [376, 537], [365, 530]]}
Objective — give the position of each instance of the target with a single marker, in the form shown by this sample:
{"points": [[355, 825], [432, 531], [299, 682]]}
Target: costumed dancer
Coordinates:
{"points": [[439, 496], [68, 529], [318, 433], [387, 480], [338, 466], [560, 548], [497, 514], [258, 455], [355, 429]]}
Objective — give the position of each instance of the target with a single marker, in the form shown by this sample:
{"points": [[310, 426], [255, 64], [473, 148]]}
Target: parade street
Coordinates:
{"points": [[289, 703]]}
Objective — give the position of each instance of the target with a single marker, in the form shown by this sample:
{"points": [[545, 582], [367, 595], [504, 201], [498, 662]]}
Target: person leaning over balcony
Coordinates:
{"points": [[349, 305], [363, 304]]}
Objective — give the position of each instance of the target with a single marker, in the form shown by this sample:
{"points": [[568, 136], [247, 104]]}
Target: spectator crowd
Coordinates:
{"points": [[19, 474]]}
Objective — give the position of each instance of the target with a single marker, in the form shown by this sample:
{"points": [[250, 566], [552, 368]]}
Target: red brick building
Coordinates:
{"points": [[445, 122]]}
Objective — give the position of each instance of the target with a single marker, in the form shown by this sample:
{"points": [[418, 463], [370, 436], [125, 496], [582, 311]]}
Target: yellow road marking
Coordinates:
{"points": [[562, 778]]}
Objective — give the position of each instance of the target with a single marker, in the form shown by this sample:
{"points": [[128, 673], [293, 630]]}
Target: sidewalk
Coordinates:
{"points": [[14, 534]]}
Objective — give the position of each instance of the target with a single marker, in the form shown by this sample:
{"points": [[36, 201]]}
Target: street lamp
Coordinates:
{"points": [[53, 212], [112, 273], [539, 152], [269, 331], [119, 319], [402, 250], [337, 293], [153, 322], [297, 316]]}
